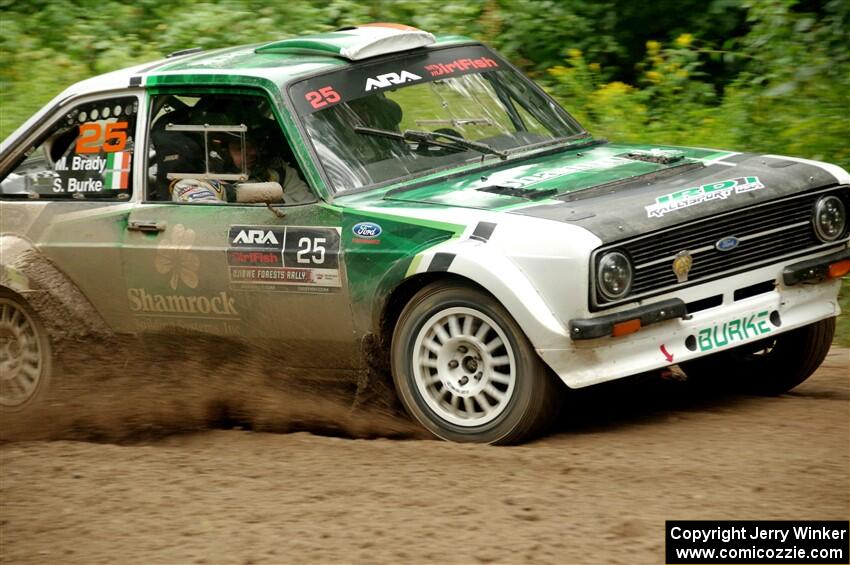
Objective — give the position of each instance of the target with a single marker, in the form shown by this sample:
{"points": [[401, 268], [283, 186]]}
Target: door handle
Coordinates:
{"points": [[146, 227]]}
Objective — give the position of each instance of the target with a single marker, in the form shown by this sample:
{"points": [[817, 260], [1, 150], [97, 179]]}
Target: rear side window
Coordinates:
{"points": [[87, 154]]}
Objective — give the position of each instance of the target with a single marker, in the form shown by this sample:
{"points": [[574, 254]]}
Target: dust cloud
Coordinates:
{"points": [[115, 389]]}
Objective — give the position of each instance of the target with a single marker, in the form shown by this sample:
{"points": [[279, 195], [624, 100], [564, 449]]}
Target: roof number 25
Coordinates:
{"points": [[322, 97], [114, 138]]}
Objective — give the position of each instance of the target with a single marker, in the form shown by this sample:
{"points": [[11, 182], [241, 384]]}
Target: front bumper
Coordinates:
{"points": [[810, 271], [817, 269], [604, 326], [735, 320]]}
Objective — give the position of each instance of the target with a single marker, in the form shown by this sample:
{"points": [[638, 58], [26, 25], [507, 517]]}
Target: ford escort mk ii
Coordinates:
{"points": [[381, 187]]}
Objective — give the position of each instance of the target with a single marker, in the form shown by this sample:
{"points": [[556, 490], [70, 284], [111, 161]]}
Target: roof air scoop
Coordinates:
{"points": [[356, 42]]}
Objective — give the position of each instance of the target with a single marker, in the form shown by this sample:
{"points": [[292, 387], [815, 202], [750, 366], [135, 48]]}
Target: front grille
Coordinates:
{"points": [[768, 231]]}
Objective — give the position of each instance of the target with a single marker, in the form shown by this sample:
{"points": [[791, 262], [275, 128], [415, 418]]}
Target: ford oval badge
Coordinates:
{"points": [[366, 230], [726, 244]]}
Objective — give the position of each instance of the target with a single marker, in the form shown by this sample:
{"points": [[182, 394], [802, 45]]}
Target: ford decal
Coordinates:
{"points": [[726, 244], [366, 230]]}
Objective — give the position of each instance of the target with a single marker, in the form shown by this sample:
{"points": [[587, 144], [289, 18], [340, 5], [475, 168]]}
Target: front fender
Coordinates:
{"points": [[12, 266], [538, 270], [62, 307]]}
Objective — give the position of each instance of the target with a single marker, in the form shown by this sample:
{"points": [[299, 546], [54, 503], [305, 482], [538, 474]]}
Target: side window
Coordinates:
{"points": [[88, 153], [220, 148]]}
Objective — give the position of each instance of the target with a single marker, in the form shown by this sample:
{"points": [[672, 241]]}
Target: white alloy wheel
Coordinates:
{"points": [[24, 355], [465, 367]]}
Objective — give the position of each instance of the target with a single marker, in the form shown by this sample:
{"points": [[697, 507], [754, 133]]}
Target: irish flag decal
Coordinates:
{"points": [[117, 173]]}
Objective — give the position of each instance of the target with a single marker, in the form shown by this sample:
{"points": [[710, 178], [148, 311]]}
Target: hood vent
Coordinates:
{"points": [[526, 193], [660, 156]]}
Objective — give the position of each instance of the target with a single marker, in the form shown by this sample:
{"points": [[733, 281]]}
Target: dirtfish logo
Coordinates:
{"points": [[388, 79], [256, 236], [695, 195]]}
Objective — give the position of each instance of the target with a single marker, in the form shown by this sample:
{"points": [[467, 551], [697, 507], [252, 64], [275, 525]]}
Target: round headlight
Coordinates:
{"points": [[830, 218], [614, 275]]}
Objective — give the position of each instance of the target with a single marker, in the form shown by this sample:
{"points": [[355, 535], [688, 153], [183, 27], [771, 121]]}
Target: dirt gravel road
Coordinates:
{"points": [[597, 490]]}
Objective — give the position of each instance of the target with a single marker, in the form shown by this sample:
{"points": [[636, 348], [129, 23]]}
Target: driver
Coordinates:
{"points": [[262, 163]]}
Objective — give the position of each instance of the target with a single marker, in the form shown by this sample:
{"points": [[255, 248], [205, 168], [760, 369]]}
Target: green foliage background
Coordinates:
{"points": [[758, 75]]}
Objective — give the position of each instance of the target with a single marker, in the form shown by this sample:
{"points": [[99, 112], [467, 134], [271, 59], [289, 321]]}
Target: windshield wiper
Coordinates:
{"points": [[433, 138], [568, 139], [572, 142]]}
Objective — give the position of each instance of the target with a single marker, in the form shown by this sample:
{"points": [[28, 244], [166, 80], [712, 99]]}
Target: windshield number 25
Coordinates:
{"points": [[322, 97]]}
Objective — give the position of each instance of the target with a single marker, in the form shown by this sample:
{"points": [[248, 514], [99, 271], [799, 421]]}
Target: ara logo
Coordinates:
{"points": [[388, 79], [367, 230], [255, 236]]}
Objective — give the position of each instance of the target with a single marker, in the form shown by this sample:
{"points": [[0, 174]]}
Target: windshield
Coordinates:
{"points": [[392, 120]]}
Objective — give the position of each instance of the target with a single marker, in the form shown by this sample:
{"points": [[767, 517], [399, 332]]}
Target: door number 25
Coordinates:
{"points": [[311, 250]]}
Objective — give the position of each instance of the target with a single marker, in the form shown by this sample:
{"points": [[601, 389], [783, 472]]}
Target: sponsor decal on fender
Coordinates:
{"points": [[698, 194], [366, 232]]}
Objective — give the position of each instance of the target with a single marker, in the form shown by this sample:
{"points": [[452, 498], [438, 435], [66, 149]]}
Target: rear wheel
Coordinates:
{"points": [[768, 367], [25, 355], [464, 369]]}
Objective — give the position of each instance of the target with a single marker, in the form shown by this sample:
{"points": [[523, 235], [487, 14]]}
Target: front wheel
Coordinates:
{"points": [[465, 370], [768, 367], [25, 355]]}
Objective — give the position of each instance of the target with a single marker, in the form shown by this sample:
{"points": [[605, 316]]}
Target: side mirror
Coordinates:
{"points": [[259, 193]]}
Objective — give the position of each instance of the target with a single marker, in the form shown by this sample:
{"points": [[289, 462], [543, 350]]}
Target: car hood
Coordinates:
{"points": [[617, 191]]}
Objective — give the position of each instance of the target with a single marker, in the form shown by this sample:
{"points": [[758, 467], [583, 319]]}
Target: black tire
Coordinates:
{"points": [[25, 355], [767, 367], [515, 411]]}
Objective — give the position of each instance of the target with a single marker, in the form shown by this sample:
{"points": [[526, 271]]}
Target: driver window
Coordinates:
{"points": [[87, 154], [219, 148]]}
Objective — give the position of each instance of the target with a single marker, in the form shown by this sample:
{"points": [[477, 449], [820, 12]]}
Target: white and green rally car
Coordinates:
{"points": [[419, 193]]}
